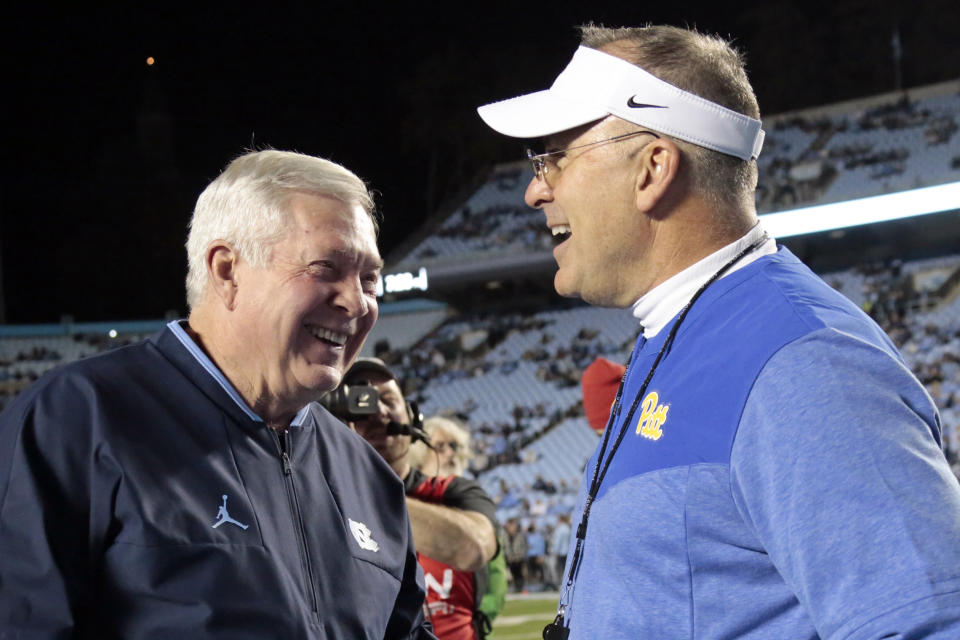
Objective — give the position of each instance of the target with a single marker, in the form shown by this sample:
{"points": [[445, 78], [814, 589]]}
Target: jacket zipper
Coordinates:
{"points": [[285, 448]]}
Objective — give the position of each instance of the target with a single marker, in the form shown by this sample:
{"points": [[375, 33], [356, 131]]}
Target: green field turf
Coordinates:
{"points": [[523, 617]]}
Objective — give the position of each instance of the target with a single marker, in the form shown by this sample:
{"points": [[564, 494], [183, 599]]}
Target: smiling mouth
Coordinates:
{"points": [[560, 233], [328, 336]]}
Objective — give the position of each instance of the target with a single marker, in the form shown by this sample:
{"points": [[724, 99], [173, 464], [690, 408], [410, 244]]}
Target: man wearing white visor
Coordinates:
{"points": [[771, 468]]}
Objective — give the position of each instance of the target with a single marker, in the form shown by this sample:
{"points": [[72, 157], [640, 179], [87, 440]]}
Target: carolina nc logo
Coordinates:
{"points": [[223, 516], [362, 534], [652, 416]]}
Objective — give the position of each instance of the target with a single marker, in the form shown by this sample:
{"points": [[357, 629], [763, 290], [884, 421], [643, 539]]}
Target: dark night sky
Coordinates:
{"points": [[104, 156]]}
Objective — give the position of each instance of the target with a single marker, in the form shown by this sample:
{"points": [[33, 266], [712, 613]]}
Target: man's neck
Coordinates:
{"points": [[656, 307], [214, 343], [694, 232]]}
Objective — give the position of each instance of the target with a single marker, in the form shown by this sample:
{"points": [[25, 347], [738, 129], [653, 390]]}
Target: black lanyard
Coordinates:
{"points": [[556, 630]]}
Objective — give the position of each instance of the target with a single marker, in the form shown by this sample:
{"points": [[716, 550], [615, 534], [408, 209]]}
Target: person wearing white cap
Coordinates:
{"points": [[770, 467]]}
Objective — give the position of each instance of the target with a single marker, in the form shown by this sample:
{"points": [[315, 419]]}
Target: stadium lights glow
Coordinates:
{"points": [[838, 215]]}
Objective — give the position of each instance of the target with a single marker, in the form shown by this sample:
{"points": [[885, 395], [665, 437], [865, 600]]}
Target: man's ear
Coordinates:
{"points": [[222, 263], [659, 163]]}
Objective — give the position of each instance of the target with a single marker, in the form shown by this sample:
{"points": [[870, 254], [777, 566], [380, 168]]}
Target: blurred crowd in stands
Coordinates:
{"points": [[467, 348], [492, 220], [806, 160], [23, 360], [536, 556], [916, 304], [803, 156]]}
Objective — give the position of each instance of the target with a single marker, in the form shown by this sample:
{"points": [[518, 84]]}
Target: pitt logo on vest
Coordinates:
{"points": [[652, 416]]}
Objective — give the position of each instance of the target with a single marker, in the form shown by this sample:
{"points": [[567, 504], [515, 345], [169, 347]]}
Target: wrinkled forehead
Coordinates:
{"points": [[301, 201], [346, 227]]}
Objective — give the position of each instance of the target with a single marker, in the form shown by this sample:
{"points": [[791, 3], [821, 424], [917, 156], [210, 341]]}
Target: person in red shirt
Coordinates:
{"points": [[452, 517]]}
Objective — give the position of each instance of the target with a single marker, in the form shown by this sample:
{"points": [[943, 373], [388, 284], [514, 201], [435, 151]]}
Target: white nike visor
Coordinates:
{"points": [[596, 84]]}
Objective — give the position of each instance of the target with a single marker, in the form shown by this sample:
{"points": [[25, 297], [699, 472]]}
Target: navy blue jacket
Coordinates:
{"points": [[138, 499]]}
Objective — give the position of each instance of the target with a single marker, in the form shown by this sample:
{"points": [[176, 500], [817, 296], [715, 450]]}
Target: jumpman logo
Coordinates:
{"points": [[223, 516]]}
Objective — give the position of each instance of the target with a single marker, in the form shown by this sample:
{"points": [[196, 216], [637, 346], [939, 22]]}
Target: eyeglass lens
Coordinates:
{"points": [[545, 165]]}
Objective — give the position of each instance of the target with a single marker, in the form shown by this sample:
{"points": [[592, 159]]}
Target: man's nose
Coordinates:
{"points": [[383, 412], [350, 297], [538, 193]]}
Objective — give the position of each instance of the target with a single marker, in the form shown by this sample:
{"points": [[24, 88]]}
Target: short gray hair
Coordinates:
{"points": [[248, 206], [709, 67]]}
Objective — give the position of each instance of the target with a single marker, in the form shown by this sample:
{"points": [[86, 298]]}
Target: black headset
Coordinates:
{"points": [[414, 428]]}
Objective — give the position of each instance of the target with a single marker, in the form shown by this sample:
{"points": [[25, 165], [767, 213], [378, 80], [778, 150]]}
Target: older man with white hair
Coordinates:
{"points": [[188, 486]]}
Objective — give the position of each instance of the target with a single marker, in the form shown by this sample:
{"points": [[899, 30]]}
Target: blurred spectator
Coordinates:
{"points": [[536, 552], [515, 550], [451, 452], [558, 547]]}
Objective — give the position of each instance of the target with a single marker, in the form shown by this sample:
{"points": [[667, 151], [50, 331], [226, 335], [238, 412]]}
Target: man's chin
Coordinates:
{"points": [[595, 296], [564, 287], [322, 377]]}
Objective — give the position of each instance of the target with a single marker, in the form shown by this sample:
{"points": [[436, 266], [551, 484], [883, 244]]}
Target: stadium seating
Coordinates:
{"points": [[514, 378], [871, 147]]}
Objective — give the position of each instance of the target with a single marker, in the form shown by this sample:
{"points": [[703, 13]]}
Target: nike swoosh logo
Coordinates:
{"points": [[640, 105]]}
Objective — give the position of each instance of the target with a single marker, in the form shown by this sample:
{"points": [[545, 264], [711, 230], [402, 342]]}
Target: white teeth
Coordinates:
{"points": [[327, 334], [560, 229]]}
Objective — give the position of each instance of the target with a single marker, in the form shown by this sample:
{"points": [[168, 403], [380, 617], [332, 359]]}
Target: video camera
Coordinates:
{"points": [[351, 401], [357, 401]]}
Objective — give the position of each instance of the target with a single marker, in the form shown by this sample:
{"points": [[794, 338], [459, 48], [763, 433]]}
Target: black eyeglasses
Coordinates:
{"points": [[545, 167]]}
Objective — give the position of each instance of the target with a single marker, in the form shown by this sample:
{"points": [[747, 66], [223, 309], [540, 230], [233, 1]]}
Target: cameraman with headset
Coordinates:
{"points": [[452, 517]]}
